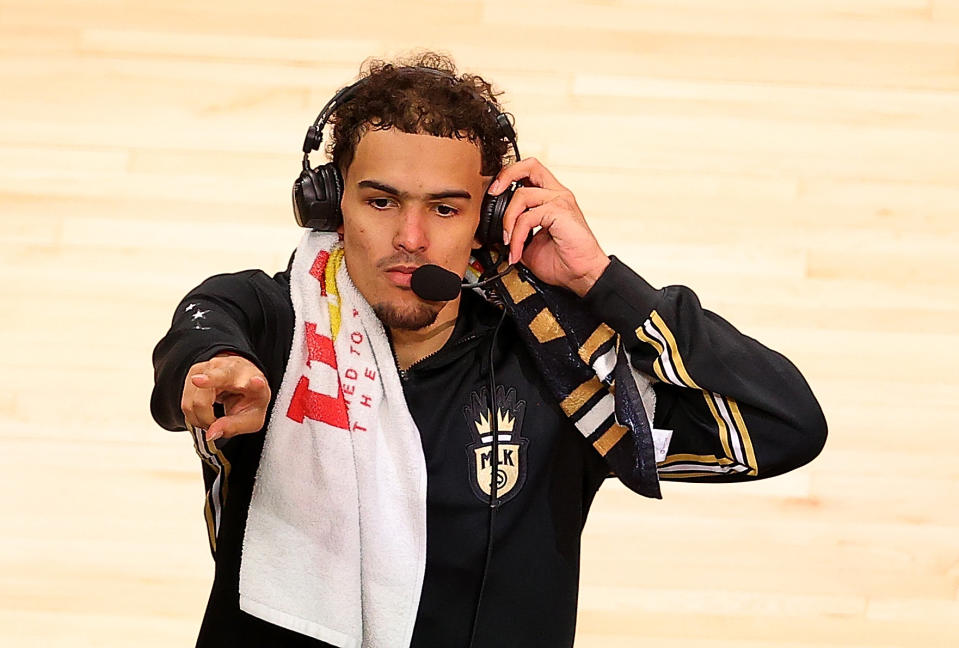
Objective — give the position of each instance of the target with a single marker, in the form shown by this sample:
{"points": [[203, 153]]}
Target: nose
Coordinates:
{"points": [[411, 235]]}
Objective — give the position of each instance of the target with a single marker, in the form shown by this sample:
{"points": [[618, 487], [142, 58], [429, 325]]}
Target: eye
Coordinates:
{"points": [[446, 211], [380, 204]]}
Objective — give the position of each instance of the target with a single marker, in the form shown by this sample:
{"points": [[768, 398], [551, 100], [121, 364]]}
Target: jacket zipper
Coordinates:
{"points": [[405, 373]]}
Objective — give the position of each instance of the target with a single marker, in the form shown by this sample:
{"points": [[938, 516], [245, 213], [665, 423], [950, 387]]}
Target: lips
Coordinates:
{"points": [[400, 275]]}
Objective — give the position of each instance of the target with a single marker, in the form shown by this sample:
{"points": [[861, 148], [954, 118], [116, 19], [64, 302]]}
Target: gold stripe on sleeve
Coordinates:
{"points": [[685, 475], [677, 359], [744, 435], [722, 428], [225, 481], [710, 460], [197, 434], [210, 526], [658, 362]]}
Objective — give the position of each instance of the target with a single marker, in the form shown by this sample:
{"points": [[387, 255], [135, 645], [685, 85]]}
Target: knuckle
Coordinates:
{"points": [[188, 402]]}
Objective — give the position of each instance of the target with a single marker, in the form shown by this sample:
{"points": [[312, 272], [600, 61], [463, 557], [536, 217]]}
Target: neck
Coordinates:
{"points": [[412, 346]]}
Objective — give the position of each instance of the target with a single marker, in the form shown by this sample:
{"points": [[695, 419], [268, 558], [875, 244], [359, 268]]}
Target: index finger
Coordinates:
{"points": [[216, 378], [528, 168]]}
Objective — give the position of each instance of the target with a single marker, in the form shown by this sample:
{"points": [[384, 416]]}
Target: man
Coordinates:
{"points": [[418, 151]]}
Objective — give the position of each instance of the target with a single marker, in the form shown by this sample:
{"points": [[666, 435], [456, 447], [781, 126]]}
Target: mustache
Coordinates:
{"points": [[401, 258]]}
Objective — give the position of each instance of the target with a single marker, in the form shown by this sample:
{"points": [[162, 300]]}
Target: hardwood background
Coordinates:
{"points": [[796, 163]]}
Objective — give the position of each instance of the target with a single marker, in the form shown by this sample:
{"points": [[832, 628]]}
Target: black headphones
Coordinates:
{"points": [[317, 192]]}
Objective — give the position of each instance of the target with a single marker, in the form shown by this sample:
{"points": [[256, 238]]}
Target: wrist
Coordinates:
{"points": [[585, 282]]}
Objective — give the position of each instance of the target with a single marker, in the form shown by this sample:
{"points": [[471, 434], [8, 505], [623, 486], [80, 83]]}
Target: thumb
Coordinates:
{"points": [[244, 421]]}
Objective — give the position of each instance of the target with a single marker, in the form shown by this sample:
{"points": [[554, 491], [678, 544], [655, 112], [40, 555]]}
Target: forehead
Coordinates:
{"points": [[415, 159]]}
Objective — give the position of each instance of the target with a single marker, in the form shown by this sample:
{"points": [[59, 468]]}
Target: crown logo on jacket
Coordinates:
{"points": [[511, 447]]}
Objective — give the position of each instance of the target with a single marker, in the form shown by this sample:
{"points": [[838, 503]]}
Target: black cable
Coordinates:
{"points": [[493, 487]]}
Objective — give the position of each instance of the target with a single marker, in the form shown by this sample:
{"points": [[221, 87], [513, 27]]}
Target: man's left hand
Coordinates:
{"points": [[564, 252]]}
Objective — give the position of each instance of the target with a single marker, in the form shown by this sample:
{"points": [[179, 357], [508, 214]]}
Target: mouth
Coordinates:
{"points": [[400, 275]]}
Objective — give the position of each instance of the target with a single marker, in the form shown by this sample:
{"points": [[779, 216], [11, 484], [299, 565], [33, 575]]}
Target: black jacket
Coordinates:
{"points": [[738, 410]]}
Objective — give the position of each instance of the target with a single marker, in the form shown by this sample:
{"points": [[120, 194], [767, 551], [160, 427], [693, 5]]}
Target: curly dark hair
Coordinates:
{"points": [[405, 96]]}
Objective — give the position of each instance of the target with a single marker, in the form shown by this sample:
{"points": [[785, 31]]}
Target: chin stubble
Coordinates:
{"points": [[409, 318]]}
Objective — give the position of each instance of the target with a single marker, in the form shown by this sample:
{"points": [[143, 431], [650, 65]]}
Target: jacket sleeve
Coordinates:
{"points": [[224, 313], [738, 410]]}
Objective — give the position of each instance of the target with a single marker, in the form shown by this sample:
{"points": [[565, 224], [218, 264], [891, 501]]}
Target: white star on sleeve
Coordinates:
{"points": [[189, 308], [199, 314]]}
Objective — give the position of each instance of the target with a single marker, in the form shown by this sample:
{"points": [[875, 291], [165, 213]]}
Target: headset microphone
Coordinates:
{"points": [[435, 283]]}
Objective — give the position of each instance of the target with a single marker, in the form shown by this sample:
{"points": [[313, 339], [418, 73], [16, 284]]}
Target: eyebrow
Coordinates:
{"points": [[380, 186]]}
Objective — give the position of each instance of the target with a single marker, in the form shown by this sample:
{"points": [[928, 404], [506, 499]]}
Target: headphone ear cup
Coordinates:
{"points": [[316, 198], [304, 195], [490, 230], [336, 191]]}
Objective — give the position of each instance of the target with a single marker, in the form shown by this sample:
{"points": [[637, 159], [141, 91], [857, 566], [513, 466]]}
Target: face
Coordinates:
{"points": [[409, 200]]}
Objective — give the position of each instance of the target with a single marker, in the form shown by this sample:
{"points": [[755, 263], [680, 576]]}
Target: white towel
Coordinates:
{"points": [[335, 544]]}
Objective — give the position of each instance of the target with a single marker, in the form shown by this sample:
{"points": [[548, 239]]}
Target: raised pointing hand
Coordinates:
{"points": [[233, 381]]}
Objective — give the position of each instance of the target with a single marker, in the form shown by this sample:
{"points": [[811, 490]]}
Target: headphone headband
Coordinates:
{"points": [[314, 134]]}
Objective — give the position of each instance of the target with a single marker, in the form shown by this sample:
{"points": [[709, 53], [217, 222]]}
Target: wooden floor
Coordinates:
{"points": [[796, 163]]}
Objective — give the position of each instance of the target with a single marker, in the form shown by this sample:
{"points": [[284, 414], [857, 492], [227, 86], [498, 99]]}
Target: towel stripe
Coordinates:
{"points": [[609, 438], [545, 327], [517, 288], [332, 294], [605, 363], [572, 403], [598, 338], [595, 416]]}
